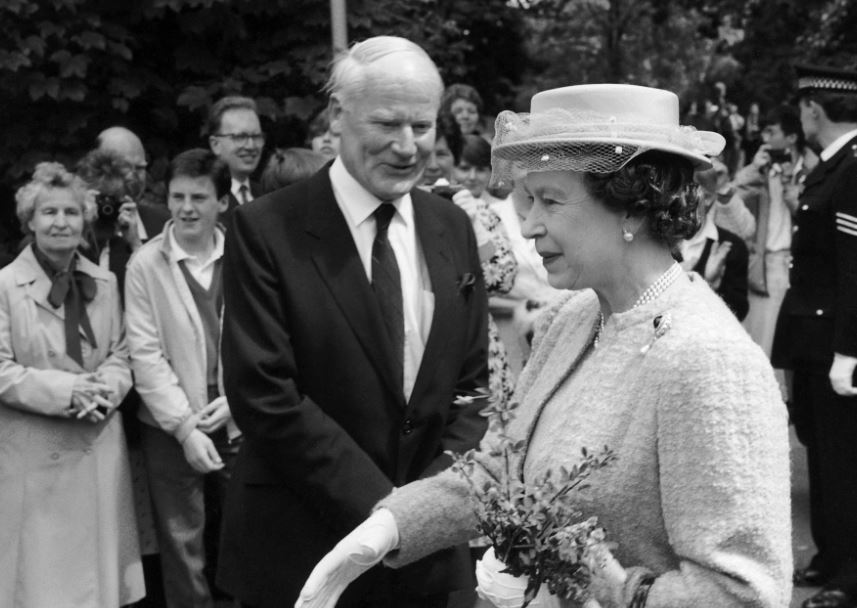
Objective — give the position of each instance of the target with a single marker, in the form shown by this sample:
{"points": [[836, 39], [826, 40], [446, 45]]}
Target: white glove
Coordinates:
{"points": [[364, 547], [504, 590]]}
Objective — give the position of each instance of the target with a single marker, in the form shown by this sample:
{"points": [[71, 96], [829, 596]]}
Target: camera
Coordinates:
{"points": [[108, 207], [780, 156], [446, 190]]}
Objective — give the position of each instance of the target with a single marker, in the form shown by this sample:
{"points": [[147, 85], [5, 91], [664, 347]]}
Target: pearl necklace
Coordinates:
{"points": [[651, 293], [659, 286]]}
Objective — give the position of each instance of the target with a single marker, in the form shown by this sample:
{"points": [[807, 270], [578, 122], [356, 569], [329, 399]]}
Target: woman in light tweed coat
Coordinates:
{"points": [[642, 358]]}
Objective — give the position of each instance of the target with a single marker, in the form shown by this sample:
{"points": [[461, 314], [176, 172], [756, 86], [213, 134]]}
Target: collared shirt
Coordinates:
{"points": [[779, 234], [235, 188], [358, 205], [202, 270], [691, 249], [837, 144]]}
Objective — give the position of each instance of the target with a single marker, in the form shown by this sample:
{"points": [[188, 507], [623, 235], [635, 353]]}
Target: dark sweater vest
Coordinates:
{"points": [[209, 303]]}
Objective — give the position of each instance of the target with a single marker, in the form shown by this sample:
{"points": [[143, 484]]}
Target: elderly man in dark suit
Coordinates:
{"points": [[816, 332], [355, 314]]}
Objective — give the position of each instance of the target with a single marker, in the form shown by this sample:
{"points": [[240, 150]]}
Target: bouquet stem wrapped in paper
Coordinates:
{"points": [[538, 534]]}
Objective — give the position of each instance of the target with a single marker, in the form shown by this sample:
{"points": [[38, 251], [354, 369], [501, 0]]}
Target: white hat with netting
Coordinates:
{"points": [[595, 128]]}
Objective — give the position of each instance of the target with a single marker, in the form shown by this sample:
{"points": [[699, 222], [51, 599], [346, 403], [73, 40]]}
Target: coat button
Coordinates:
{"points": [[407, 427], [55, 456], [52, 353], [791, 264], [819, 312], [794, 228], [804, 207]]}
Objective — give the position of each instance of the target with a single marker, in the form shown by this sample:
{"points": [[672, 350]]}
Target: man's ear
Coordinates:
{"points": [[223, 203], [214, 144], [335, 110]]}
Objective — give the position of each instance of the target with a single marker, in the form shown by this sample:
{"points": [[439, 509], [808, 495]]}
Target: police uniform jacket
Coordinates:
{"points": [[819, 314]]}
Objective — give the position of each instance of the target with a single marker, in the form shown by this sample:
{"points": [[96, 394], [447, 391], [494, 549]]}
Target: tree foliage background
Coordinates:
{"points": [[69, 68]]}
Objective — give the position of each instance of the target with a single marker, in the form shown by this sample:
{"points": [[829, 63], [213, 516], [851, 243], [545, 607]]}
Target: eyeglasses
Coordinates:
{"points": [[241, 139]]}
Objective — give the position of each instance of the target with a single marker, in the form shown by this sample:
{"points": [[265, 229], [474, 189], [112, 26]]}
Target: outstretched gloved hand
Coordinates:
{"points": [[364, 547]]}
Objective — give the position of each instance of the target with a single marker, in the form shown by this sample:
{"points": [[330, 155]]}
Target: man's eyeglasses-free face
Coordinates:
{"points": [[241, 139]]}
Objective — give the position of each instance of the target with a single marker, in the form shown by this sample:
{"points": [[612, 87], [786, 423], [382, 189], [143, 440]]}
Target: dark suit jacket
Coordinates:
{"points": [[733, 285], [819, 313], [309, 381], [255, 190]]}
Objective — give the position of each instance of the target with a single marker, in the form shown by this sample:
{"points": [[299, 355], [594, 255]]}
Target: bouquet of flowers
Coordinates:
{"points": [[534, 527]]}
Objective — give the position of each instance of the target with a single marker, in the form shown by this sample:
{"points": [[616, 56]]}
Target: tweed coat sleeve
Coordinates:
{"points": [[724, 479]]}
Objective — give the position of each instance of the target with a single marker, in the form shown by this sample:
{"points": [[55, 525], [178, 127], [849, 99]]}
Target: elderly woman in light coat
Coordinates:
{"points": [[638, 356], [67, 527]]}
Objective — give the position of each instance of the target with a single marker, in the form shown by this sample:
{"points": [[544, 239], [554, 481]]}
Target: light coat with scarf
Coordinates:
{"points": [[67, 527]]}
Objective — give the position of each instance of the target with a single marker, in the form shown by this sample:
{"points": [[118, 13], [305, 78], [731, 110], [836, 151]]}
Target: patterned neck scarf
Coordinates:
{"points": [[73, 288]]}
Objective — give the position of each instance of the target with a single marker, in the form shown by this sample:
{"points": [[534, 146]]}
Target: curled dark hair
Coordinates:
{"points": [[109, 173], [656, 185]]}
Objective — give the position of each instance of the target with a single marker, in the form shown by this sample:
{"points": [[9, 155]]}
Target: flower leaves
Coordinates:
{"points": [[536, 528]]}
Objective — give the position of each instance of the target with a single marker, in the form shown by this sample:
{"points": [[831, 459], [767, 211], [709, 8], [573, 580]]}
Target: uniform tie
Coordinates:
{"points": [[387, 284]]}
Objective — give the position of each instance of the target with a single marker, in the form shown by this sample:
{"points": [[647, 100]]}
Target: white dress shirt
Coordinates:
{"points": [[837, 143], [358, 205], [202, 270], [236, 190]]}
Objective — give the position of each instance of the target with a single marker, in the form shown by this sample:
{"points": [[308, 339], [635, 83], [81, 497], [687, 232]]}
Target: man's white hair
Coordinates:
{"points": [[349, 67]]}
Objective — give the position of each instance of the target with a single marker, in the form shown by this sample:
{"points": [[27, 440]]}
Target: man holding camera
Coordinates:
{"points": [[125, 222], [769, 187]]}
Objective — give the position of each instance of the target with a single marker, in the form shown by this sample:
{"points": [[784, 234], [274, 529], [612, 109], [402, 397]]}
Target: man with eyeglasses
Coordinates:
{"points": [[235, 136]]}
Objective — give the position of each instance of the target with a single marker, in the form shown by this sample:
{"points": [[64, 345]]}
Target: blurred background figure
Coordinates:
{"points": [[464, 103], [472, 171], [752, 131], [769, 185], [717, 254], [288, 166], [122, 225], [68, 532], [320, 138], [440, 162], [235, 136]]}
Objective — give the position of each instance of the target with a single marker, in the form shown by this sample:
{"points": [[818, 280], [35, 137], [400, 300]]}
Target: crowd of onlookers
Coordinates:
{"points": [[139, 280]]}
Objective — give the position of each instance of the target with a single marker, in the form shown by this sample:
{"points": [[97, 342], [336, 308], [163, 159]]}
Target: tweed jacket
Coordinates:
{"points": [[699, 494]]}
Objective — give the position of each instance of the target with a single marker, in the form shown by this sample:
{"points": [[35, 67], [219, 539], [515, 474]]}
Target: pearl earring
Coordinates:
{"points": [[627, 235]]}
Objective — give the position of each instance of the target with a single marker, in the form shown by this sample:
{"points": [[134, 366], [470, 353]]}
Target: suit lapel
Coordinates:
{"points": [[442, 273], [337, 261]]}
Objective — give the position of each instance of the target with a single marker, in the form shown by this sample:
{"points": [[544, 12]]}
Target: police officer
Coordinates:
{"points": [[816, 333]]}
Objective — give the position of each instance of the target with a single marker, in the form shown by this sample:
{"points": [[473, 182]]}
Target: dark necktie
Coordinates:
{"points": [[387, 284], [242, 190]]}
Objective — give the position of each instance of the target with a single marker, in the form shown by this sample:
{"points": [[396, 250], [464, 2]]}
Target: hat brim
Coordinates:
{"points": [[714, 143]]}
